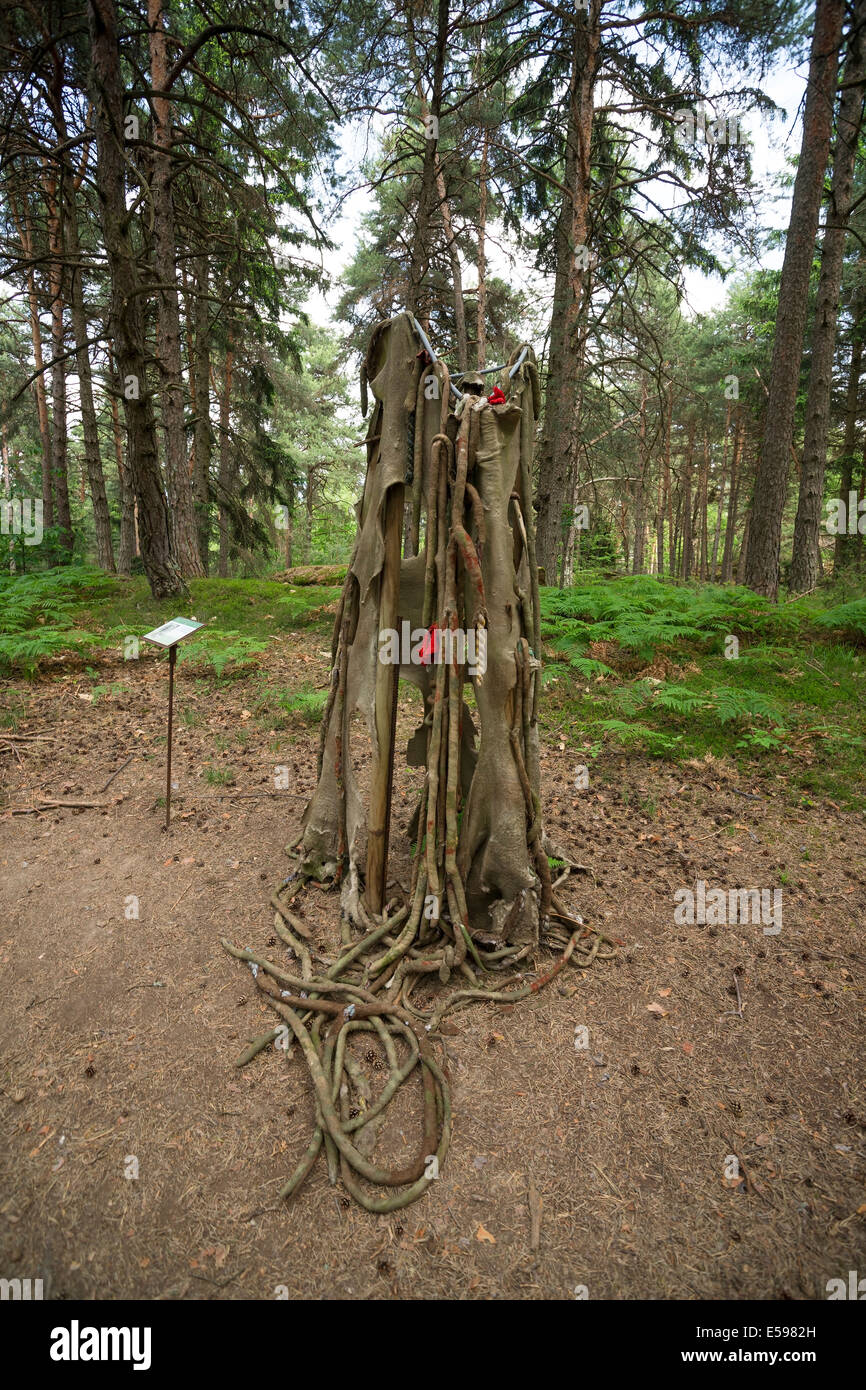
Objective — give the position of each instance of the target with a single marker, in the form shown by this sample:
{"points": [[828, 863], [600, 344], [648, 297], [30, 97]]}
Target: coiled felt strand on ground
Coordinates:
{"points": [[326, 1058], [379, 1206], [387, 1177]]}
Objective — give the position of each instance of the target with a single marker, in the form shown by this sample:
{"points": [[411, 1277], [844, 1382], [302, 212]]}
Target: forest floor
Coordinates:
{"points": [[709, 1142]]}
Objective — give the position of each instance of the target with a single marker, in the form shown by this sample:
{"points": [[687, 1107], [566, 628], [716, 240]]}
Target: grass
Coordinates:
{"points": [[281, 707], [220, 776]]}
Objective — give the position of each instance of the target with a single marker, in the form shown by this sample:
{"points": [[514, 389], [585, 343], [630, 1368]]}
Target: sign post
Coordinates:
{"points": [[168, 636]]}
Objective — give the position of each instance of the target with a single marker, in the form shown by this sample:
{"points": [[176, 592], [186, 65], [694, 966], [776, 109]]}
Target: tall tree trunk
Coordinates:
{"points": [[730, 525], [419, 259], [7, 488], [182, 514], [290, 527], [638, 560], [126, 315], [25, 235], [308, 502], [128, 548], [59, 431], [225, 468], [560, 440], [62, 202], [804, 563], [844, 547], [660, 523], [663, 500], [623, 527], [456, 272], [771, 480], [481, 304], [744, 547], [203, 447], [687, 507], [89, 428], [54, 185], [672, 559], [717, 535], [462, 344], [703, 503], [566, 568]]}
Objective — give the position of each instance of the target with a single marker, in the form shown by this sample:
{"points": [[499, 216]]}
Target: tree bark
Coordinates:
{"points": [[805, 560], [771, 480], [308, 503], [419, 259], [225, 468], [744, 548], [663, 501], [638, 560], [844, 547], [703, 504], [203, 435], [721, 506], [566, 570], [456, 272], [182, 515], [126, 313], [89, 428], [560, 441], [687, 507], [290, 527], [53, 181], [733, 500], [127, 549], [25, 235], [59, 430], [7, 489], [481, 303]]}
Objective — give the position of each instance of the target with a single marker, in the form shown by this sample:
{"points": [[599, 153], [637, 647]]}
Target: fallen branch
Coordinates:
{"points": [[116, 774], [46, 805]]}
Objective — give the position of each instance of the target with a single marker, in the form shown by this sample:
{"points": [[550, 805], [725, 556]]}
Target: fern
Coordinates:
{"points": [[627, 734], [845, 617], [730, 703], [588, 666], [678, 699], [25, 649], [220, 650], [630, 698], [37, 614]]}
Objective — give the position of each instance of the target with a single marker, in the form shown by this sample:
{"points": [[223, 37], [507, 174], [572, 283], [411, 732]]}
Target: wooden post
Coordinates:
{"points": [[172, 657], [387, 677]]}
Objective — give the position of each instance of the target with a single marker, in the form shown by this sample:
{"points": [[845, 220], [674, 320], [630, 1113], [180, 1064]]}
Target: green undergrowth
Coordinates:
{"points": [[631, 664], [80, 611], [680, 671]]}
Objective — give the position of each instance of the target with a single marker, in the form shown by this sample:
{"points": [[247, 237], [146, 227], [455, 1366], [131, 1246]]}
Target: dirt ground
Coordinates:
{"points": [[706, 1044]]}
